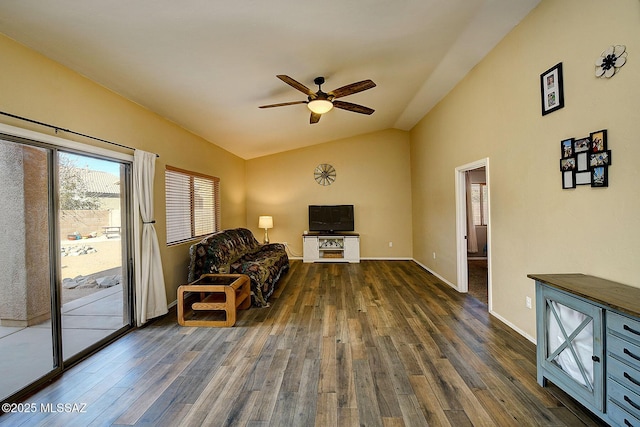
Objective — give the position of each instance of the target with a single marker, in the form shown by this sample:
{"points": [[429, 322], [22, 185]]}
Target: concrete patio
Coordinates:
{"points": [[27, 351]]}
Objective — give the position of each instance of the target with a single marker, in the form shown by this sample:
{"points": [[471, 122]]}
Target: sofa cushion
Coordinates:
{"points": [[264, 267]]}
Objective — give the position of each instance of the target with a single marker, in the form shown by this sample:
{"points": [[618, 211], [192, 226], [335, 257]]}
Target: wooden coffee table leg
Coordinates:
{"points": [[245, 294], [181, 291]]}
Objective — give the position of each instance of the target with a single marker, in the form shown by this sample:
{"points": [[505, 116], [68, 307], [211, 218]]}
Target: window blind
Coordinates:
{"points": [[480, 209], [193, 205]]}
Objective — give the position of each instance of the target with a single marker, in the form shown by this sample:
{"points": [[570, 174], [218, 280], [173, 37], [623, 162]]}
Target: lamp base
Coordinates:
{"points": [[266, 236]]}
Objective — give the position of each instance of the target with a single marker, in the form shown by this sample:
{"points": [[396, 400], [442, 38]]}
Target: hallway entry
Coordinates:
{"points": [[473, 237]]}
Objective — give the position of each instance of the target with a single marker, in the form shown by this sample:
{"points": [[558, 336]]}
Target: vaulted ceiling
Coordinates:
{"points": [[208, 65]]}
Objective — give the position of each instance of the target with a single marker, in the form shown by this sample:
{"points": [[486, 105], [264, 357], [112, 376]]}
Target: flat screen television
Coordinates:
{"points": [[331, 218]]}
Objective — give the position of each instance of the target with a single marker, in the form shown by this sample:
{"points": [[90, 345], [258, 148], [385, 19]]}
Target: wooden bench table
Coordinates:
{"points": [[218, 292]]}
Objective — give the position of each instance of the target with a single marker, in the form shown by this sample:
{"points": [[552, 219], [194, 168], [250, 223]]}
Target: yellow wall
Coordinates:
{"points": [[536, 226], [372, 173], [33, 86]]}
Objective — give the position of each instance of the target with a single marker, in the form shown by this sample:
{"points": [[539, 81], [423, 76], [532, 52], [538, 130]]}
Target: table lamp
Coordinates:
{"points": [[265, 222]]}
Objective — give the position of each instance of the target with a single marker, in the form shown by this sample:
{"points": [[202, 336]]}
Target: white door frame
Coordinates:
{"points": [[461, 225]]}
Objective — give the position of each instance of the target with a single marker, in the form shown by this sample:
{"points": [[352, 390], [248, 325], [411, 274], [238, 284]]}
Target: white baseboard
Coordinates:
{"points": [[436, 274], [491, 312], [512, 326]]}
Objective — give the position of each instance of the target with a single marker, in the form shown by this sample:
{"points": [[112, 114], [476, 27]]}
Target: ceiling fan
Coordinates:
{"points": [[320, 102]]}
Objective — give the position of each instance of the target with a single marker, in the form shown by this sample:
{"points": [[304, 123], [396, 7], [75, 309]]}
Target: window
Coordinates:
{"points": [[193, 205], [479, 195]]}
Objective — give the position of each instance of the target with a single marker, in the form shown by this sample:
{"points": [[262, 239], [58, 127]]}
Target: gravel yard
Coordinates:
{"points": [[105, 261]]}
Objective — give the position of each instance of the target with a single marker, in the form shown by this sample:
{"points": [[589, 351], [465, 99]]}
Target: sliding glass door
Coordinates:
{"points": [[64, 259], [93, 299], [26, 266]]}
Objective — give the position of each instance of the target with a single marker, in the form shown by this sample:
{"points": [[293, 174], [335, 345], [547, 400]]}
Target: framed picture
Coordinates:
{"points": [[582, 145], [581, 149], [599, 141], [599, 177], [568, 164], [566, 148], [568, 179], [582, 162], [602, 158], [551, 92], [583, 178]]}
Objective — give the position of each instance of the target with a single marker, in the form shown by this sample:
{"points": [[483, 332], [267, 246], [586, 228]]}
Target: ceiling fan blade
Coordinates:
{"points": [[315, 118], [282, 104], [295, 84], [353, 107], [352, 88]]}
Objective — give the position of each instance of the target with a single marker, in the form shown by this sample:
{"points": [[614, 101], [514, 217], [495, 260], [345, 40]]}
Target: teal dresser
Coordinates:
{"points": [[588, 343]]}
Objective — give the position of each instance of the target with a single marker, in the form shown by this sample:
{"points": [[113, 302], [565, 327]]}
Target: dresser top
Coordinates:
{"points": [[614, 295]]}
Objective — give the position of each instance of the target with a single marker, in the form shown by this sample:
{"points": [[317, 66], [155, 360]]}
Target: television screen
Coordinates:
{"points": [[331, 218]]}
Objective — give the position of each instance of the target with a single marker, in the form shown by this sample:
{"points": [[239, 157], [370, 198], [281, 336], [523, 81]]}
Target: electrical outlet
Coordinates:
{"points": [[527, 302], [390, 244], [434, 255]]}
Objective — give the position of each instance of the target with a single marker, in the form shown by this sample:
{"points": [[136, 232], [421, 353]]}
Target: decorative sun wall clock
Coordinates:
{"points": [[324, 174]]}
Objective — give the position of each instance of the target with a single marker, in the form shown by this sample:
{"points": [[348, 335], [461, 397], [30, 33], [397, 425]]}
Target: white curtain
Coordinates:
{"points": [[472, 239], [151, 299]]}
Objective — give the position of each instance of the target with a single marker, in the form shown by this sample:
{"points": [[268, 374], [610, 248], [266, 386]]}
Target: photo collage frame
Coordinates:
{"points": [[585, 161]]}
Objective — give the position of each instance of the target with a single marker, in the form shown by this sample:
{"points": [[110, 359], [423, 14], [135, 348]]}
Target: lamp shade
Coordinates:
{"points": [[265, 222], [320, 106]]}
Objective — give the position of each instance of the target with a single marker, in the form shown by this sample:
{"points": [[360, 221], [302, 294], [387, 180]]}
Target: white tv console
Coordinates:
{"points": [[342, 247]]}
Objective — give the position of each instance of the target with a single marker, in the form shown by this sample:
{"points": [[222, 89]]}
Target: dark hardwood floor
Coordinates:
{"points": [[478, 277], [380, 343]]}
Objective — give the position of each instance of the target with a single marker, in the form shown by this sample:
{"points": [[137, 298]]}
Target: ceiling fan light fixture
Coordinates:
{"points": [[320, 106]]}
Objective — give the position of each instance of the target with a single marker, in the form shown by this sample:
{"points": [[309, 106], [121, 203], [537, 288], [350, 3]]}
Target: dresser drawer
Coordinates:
{"points": [[623, 326], [624, 374], [623, 350], [623, 397], [621, 417]]}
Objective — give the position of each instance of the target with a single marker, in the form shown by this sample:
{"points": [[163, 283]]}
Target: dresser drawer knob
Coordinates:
{"points": [[633, 331], [628, 353], [631, 402], [633, 380]]}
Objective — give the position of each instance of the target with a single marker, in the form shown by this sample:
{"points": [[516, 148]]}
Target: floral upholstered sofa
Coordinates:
{"points": [[237, 251]]}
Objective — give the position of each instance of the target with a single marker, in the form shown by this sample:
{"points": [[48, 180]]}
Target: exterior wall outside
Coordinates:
{"points": [[24, 249], [495, 113], [84, 222]]}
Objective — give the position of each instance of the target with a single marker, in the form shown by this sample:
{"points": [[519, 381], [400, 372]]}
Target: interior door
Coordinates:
{"points": [[461, 227]]}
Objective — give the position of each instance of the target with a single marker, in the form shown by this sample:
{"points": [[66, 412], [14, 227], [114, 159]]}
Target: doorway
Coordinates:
{"points": [[65, 285], [473, 230]]}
